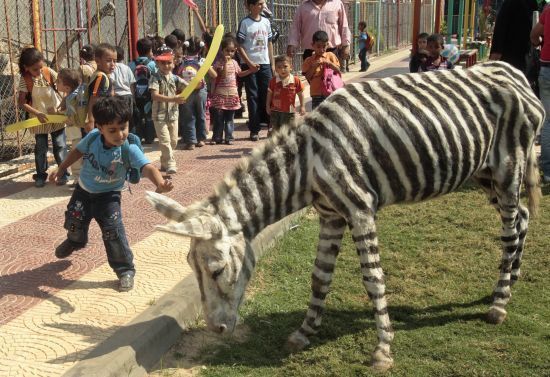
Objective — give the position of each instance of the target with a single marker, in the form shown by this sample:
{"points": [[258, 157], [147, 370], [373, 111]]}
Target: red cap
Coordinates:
{"points": [[164, 57]]}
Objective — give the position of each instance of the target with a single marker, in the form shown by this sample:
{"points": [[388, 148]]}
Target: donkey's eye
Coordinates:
{"points": [[217, 273]]}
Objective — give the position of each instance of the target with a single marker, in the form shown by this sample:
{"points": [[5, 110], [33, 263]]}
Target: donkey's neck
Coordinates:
{"points": [[271, 184]]}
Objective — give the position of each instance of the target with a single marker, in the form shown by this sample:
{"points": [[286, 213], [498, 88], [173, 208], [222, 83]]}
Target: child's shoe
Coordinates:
{"points": [[39, 182], [189, 147], [125, 283], [62, 181], [65, 249], [200, 144], [254, 136], [171, 171], [219, 141], [229, 142]]}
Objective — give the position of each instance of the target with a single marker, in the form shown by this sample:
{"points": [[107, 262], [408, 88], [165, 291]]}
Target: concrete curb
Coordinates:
{"points": [[136, 348]]}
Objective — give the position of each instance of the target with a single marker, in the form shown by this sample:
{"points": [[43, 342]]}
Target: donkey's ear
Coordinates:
{"points": [[204, 226], [166, 206]]}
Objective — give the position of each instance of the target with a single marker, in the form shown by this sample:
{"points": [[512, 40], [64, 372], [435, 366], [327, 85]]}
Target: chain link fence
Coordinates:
{"points": [[61, 27]]}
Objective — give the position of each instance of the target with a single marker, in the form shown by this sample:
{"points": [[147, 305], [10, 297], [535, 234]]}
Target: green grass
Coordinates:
{"points": [[441, 262]]}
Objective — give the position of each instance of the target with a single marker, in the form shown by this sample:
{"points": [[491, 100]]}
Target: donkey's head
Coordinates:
{"points": [[222, 262]]}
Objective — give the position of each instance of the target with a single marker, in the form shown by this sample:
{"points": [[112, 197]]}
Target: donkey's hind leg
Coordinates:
{"points": [[514, 219]]}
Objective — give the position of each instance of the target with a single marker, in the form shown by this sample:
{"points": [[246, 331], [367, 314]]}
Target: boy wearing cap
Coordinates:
{"points": [[164, 87]]}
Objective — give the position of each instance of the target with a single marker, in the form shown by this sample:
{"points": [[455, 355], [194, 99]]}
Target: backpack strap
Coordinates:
{"points": [[92, 138], [125, 152]]}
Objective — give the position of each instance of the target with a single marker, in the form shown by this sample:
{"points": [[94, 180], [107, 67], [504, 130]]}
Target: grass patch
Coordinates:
{"points": [[441, 262]]}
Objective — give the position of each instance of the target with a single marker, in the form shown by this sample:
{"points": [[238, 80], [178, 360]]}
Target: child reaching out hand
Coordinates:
{"points": [[98, 193]]}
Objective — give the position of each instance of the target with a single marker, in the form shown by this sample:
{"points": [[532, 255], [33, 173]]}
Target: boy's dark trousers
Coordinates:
{"points": [[105, 209], [256, 85], [363, 58], [143, 122]]}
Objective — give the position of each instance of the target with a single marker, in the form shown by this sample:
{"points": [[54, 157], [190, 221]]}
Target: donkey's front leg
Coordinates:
{"points": [[364, 235], [330, 239]]}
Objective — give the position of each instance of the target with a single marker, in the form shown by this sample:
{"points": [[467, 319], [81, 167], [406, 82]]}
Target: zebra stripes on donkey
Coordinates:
{"points": [[400, 139]]}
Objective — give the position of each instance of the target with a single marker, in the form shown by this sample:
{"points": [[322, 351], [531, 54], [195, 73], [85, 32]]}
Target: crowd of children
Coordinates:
{"points": [[428, 54], [113, 107]]}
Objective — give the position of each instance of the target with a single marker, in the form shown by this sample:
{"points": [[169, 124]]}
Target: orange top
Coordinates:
{"points": [[315, 74]]}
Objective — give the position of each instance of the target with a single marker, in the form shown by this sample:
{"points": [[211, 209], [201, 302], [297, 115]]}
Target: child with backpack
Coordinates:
{"points": [[75, 107], [101, 84], [107, 160], [143, 67], [88, 65], [366, 41], [192, 114], [314, 67], [164, 86], [38, 96], [123, 83]]}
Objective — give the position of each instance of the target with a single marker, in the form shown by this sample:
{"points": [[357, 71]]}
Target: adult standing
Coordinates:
{"points": [[314, 15], [511, 34], [542, 29]]}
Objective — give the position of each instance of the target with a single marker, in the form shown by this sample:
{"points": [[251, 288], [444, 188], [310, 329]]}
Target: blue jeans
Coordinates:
{"points": [[59, 144], [316, 101], [256, 86], [105, 209], [544, 84], [223, 123], [363, 58], [192, 117]]}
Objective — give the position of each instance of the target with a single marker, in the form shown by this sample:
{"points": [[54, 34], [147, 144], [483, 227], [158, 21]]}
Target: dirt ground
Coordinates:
{"points": [[186, 357]]}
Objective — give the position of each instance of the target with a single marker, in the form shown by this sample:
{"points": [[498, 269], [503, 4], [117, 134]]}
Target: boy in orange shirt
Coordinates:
{"points": [[281, 95], [313, 66]]}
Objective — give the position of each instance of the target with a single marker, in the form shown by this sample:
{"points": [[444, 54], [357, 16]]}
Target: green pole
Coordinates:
{"points": [[379, 18], [355, 29], [450, 16], [460, 22]]}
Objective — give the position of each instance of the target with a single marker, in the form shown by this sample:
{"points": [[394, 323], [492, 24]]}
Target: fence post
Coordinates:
{"points": [[35, 11], [416, 24], [378, 22], [355, 41], [438, 16], [450, 10], [133, 24], [158, 10], [459, 23]]}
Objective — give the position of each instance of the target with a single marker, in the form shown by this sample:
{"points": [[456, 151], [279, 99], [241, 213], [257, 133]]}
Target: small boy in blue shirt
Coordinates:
{"points": [[98, 193]]}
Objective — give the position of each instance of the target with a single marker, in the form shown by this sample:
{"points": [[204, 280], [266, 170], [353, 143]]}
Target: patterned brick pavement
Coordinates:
{"points": [[53, 312]]}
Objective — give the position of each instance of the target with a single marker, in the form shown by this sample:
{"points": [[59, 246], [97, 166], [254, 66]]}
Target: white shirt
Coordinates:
{"points": [[122, 79]]}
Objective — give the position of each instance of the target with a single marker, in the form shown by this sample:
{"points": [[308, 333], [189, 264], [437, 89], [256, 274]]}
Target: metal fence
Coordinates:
{"points": [[61, 27]]}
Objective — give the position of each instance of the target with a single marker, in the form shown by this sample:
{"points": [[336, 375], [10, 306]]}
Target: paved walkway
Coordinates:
{"points": [[54, 312]]}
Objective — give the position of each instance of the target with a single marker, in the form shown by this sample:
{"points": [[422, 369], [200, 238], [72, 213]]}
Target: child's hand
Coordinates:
{"points": [[302, 110], [56, 174], [43, 118], [51, 110], [255, 68], [268, 110], [89, 126], [165, 186], [179, 100]]}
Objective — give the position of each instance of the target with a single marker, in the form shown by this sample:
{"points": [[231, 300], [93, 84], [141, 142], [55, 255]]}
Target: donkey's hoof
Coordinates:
{"points": [[496, 315], [297, 342], [381, 361]]}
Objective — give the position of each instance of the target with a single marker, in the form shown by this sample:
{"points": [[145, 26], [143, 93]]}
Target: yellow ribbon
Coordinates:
{"points": [[208, 61], [34, 122]]}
